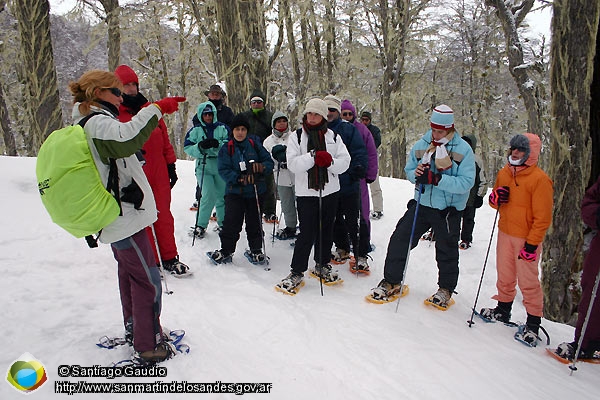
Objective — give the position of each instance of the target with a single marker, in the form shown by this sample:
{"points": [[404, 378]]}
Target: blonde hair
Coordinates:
{"points": [[83, 90]]}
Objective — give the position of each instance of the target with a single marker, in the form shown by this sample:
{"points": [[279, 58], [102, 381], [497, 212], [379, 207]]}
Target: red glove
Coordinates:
{"points": [[527, 253], [169, 105], [323, 159], [428, 178], [499, 195]]}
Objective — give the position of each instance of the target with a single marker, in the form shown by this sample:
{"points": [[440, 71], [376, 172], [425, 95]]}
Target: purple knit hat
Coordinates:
{"points": [[347, 105]]}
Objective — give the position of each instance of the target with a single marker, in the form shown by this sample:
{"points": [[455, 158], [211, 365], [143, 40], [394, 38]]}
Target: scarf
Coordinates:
{"points": [[442, 159], [317, 176]]}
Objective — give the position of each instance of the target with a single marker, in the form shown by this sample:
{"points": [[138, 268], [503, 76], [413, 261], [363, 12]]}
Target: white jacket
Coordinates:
{"points": [[107, 137], [299, 161]]}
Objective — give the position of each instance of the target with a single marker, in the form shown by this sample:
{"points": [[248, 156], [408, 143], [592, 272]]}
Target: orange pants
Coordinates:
{"points": [[512, 271]]}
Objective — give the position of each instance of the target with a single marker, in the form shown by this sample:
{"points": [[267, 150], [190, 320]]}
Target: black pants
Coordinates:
{"points": [[445, 224], [314, 232], [468, 223], [345, 229], [270, 200], [238, 208]]}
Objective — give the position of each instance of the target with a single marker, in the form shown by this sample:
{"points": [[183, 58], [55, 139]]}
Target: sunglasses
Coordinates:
{"points": [[332, 109], [347, 114], [521, 149], [365, 119], [116, 91], [256, 102]]}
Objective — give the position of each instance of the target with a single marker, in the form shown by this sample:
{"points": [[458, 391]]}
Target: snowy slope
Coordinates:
{"points": [[59, 297]]}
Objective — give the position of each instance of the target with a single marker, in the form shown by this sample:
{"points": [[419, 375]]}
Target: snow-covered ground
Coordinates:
{"points": [[59, 297]]}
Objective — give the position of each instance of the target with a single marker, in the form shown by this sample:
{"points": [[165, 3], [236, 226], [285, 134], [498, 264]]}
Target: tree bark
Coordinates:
{"points": [[112, 9], [574, 32], [42, 103]]}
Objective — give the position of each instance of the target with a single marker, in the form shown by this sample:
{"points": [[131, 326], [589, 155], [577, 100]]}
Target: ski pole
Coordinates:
{"points": [[412, 232], [585, 324], [199, 199], [160, 263], [470, 321], [262, 236], [321, 236]]}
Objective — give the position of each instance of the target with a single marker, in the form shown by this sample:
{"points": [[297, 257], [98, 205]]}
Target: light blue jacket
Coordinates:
{"points": [[454, 187]]}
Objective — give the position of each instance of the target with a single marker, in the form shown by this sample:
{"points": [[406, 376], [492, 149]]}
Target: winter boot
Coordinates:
{"points": [[566, 350], [198, 232], [326, 273], [270, 218], [442, 297], [175, 267], [500, 313], [256, 256], [464, 245], [221, 257], [429, 235], [286, 233], [360, 265], [129, 331], [376, 215], [340, 256], [528, 333], [163, 351], [292, 281], [385, 290]]}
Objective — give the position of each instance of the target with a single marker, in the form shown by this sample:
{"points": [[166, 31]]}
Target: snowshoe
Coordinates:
{"points": [[177, 268], [326, 273], [494, 314], [565, 353], [291, 284], [213, 217], [360, 267], [271, 219], [194, 207], [442, 299], [340, 256], [198, 232], [162, 352], [219, 257], [527, 336], [286, 233], [428, 236], [386, 292], [217, 229], [256, 258]]}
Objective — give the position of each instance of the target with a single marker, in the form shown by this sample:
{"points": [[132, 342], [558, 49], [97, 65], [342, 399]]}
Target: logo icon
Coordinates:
{"points": [[26, 374]]}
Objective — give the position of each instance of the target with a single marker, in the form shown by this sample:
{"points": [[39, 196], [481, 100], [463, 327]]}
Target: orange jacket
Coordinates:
{"points": [[528, 213]]}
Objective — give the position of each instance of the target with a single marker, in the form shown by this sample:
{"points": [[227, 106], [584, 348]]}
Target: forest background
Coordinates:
{"points": [[397, 59]]}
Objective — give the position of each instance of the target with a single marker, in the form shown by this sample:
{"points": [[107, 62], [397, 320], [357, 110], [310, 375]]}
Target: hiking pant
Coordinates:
{"points": [[140, 289], [213, 196], [287, 195], [164, 226], [468, 223], [512, 271], [345, 229], [270, 201], [313, 232], [238, 209], [445, 224], [376, 195]]}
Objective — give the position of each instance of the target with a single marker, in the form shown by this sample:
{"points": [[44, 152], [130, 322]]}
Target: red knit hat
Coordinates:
{"points": [[126, 75]]}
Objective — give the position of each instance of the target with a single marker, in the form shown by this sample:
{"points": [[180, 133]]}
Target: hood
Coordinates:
{"points": [[201, 108], [535, 148], [347, 105], [278, 114]]}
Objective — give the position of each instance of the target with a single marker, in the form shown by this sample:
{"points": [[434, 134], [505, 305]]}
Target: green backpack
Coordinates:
{"points": [[70, 186]]}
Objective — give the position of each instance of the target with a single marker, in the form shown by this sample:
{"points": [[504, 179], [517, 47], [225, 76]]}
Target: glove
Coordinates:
{"points": [[278, 153], [246, 179], [169, 105], [209, 143], [428, 178], [133, 194], [358, 172], [527, 253], [478, 201], [499, 195], [257, 168], [323, 159], [172, 174]]}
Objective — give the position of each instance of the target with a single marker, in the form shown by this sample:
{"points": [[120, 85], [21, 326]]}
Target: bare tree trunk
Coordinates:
{"points": [[256, 56], [511, 18], [299, 84], [7, 133], [112, 9], [42, 101], [574, 32], [595, 114]]}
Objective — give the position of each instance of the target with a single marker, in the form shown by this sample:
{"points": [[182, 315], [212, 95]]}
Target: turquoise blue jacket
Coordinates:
{"points": [[454, 187]]}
